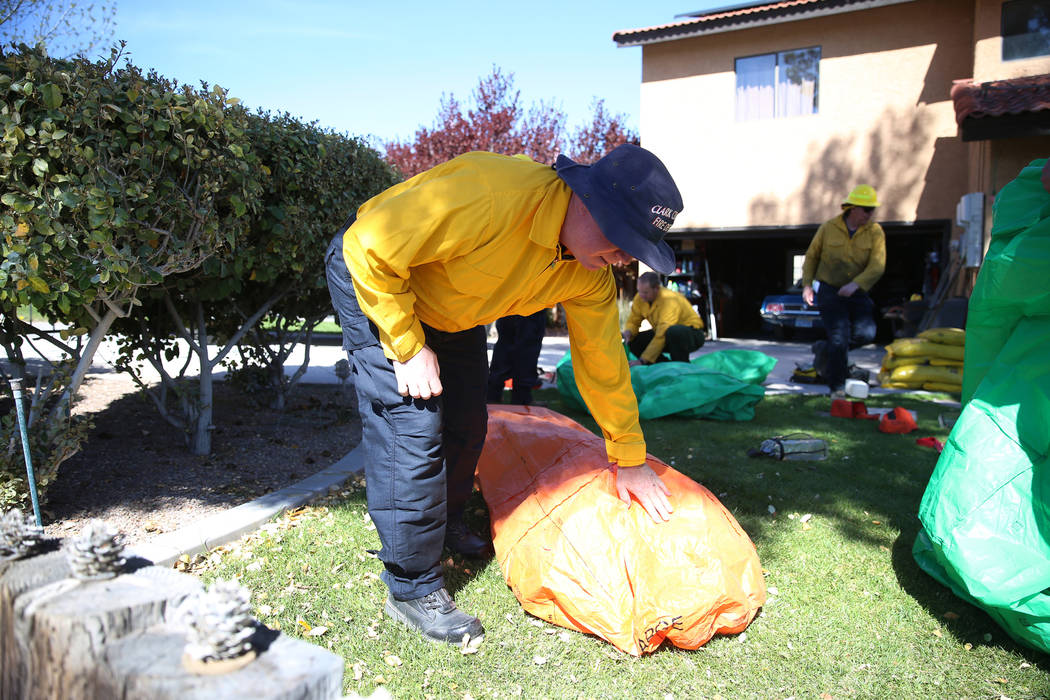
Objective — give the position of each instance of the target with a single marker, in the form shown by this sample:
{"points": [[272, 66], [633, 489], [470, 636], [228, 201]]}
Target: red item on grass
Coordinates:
{"points": [[841, 408], [899, 420], [930, 442]]}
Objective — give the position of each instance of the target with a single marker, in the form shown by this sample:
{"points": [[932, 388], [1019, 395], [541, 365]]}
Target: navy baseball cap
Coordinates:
{"points": [[632, 198]]}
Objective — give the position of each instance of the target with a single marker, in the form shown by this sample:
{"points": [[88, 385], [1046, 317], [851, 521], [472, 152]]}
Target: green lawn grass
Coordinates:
{"points": [[850, 614]]}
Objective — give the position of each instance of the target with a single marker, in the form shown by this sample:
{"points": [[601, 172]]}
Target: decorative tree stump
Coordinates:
{"points": [[68, 623], [65, 638], [18, 578], [150, 666]]}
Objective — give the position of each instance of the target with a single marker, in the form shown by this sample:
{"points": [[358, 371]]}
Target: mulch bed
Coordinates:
{"points": [[136, 472]]}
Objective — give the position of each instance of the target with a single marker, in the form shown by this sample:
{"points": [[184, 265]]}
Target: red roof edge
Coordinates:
{"points": [[998, 97]]}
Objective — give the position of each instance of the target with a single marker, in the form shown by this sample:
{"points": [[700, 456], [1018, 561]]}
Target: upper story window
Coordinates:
{"points": [[1026, 29], [776, 85]]}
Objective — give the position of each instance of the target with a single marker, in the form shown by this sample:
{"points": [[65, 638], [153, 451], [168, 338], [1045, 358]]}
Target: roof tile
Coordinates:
{"points": [[998, 97]]}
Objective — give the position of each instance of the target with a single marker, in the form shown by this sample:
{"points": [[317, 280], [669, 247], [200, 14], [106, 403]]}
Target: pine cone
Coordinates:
{"points": [[219, 622], [19, 535], [97, 553]]}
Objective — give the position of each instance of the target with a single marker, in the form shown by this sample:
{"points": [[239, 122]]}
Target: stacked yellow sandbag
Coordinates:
{"points": [[931, 361]]}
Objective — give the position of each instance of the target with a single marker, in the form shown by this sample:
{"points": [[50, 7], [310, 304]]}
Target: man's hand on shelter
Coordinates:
{"points": [[650, 491], [847, 290], [419, 376]]}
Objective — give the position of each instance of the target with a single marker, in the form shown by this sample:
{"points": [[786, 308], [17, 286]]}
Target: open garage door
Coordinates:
{"points": [[746, 265]]}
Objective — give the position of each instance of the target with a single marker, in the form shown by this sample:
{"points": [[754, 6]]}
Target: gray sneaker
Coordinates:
{"points": [[436, 617]]}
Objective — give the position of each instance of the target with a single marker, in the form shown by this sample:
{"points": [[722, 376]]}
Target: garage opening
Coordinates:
{"points": [[746, 265]]}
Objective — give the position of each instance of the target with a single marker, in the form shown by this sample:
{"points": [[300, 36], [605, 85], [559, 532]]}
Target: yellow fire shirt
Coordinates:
{"points": [[669, 308], [837, 259], [475, 239]]}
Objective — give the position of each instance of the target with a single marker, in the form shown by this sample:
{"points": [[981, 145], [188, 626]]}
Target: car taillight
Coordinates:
{"points": [[775, 308]]}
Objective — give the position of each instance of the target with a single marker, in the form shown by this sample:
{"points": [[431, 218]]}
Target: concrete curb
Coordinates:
{"points": [[224, 527]]}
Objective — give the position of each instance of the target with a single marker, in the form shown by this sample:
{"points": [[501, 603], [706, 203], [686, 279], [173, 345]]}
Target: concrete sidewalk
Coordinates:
{"points": [[788, 354]]}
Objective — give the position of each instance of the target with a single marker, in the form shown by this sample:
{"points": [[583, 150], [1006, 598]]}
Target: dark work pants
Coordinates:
{"points": [[515, 355], [679, 341], [420, 456], [849, 323]]}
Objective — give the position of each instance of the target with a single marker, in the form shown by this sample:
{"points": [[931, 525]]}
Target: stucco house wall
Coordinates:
{"points": [[885, 117]]}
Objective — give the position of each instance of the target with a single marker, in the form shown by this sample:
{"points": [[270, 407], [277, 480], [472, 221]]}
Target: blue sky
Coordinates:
{"points": [[379, 69]]}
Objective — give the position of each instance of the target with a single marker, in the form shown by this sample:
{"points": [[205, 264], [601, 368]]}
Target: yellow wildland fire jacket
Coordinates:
{"points": [[475, 239], [837, 259], [669, 308]]}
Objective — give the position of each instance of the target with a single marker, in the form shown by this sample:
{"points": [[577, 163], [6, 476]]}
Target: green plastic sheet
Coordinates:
{"points": [[723, 385], [986, 511]]}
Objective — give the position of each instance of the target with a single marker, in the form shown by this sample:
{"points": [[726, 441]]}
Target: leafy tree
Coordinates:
{"points": [[112, 181], [318, 178], [77, 25], [310, 179], [496, 122], [604, 133]]}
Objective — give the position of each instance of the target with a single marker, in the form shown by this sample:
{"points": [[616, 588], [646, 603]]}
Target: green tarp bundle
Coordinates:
{"points": [[723, 385], [986, 511]]}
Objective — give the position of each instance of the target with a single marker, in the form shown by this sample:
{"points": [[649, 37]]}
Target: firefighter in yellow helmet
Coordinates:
{"points": [[846, 257]]}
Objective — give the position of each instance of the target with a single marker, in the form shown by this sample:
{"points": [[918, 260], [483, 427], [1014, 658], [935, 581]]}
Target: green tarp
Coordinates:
{"points": [[723, 385], [986, 511]]}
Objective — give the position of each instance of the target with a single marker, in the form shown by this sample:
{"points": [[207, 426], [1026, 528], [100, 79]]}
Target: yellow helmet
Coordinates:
{"points": [[862, 196]]}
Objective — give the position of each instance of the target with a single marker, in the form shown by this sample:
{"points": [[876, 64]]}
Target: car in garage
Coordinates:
{"points": [[785, 314]]}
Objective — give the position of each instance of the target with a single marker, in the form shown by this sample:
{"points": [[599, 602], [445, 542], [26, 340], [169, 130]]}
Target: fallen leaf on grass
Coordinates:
{"points": [[937, 632], [1001, 680], [358, 669], [151, 526], [967, 646], [305, 625], [805, 518], [470, 645], [317, 631], [539, 660], [392, 660], [949, 615]]}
